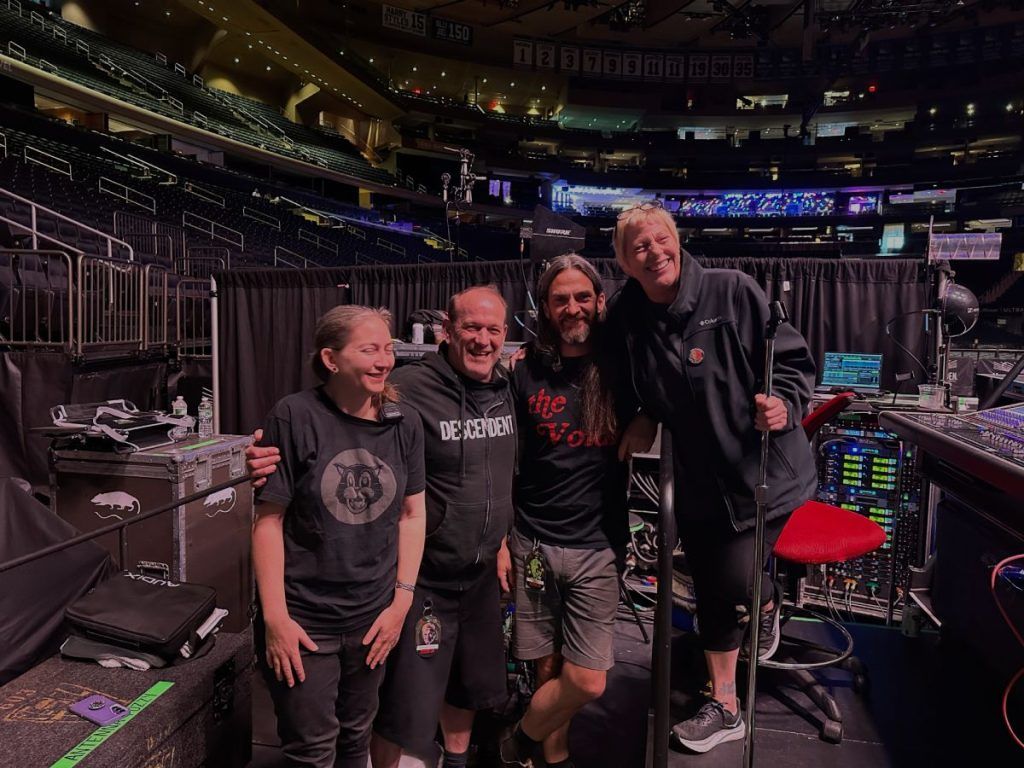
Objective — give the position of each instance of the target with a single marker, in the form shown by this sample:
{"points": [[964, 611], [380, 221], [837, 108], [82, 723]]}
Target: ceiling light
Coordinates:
{"points": [[485, 79], [512, 85], [543, 87], [371, 59], [442, 73], [268, 67], [250, 46], [414, 69], [932, 111], [236, 59], [1009, 107], [225, 18]]}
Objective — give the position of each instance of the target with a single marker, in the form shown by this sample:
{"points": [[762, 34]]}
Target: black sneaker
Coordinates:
{"points": [[509, 753], [768, 637], [712, 725]]}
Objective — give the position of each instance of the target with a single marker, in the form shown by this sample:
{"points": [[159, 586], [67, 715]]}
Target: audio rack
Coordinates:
{"points": [[869, 470]]}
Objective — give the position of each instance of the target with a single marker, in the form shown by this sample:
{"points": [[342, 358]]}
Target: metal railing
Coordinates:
{"points": [[193, 321], [387, 245], [3, 143], [176, 103], [200, 266], [180, 69], [47, 66], [200, 119], [318, 241], [59, 33], [167, 240], [213, 229], [116, 248], [161, 57], [34, 17], [287, 258], [16, 51], [362, 258], [159, 245], [198, 81], [36, 297], [262, 218], [205, 194], [81, 47], [126, 193], [157, 307], [110, 299], [45, 159]]}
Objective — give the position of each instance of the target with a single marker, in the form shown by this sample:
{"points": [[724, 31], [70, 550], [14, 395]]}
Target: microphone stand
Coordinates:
{"points": [[777, 316]]}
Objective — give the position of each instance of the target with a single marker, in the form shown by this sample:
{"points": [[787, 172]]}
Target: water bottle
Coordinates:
{"points": [[179, 410], [206, 417]]}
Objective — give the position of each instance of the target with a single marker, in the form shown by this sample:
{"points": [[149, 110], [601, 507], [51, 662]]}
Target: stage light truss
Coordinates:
{"points": [[878, 14]]}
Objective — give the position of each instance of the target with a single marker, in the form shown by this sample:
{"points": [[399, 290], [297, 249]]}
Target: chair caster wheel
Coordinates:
{"points": [[832, 732]]}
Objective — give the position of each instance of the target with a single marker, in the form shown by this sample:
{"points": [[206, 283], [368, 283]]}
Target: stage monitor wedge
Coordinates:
{"points": [[554, 235]]}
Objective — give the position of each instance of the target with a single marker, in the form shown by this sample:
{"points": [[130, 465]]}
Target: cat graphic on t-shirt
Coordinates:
{"points": [[359, 486]]}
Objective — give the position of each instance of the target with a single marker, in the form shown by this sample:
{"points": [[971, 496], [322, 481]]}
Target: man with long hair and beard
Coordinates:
{"points": [[571, 518]]}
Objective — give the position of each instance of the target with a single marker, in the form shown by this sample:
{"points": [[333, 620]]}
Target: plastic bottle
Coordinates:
{"points": [[179, 409], [206, 417]]}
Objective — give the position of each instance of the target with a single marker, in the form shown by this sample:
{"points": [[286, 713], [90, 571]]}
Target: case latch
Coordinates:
{"points": [[204, 473], [237, 462]]}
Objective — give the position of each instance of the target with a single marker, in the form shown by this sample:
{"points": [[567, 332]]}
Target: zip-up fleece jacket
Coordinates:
{"points": [[696, 366], [470, 459]]}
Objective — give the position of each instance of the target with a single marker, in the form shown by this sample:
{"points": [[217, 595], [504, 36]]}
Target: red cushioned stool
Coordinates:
{"points": [[818, 534]]}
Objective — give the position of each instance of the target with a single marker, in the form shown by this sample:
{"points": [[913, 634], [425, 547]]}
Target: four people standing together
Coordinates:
{"points": [[680, 345]]}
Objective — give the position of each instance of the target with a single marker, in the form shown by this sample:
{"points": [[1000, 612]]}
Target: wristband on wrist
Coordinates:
{"points": [[406, 587]]}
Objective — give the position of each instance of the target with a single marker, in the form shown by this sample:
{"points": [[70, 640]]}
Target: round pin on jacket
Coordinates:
{"points": [[696, 356]]}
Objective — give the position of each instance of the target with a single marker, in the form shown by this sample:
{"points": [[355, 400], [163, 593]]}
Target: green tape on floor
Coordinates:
{"points": [[84, 748]]}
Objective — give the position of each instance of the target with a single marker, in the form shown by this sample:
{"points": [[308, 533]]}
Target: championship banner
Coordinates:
{"points": [[452, 31], [570, 59], [612, 64], [592, 62], [743, 67], [404, 21], [632, 65], [674, 67], [545, 55], [721, 68], [522, 53], [654, 66], [699, 66]]}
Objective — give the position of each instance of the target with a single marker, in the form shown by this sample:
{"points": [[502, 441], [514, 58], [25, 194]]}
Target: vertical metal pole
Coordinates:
{"points": [[661, 670], [215, 354], [777, 317]]}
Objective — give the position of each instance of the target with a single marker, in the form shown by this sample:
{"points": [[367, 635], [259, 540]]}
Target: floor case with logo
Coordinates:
{"points": [[205, 542], [194, 714]]}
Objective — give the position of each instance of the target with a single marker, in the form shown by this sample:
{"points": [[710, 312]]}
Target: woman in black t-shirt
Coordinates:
{"points": [[337, 540]]}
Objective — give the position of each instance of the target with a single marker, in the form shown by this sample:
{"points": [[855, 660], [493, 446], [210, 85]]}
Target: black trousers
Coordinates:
{"points": [[720, 561], [325, 722]]}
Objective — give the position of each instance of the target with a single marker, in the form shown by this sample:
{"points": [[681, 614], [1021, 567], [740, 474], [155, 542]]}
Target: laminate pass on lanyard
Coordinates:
{"points": [[84, 748]]}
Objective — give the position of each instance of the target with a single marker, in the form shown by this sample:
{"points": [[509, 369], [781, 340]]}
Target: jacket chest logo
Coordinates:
{"points": [[696, 356]]}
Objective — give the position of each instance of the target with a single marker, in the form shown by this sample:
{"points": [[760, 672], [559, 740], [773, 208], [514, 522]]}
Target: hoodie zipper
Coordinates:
{"points": [[487, 464]]}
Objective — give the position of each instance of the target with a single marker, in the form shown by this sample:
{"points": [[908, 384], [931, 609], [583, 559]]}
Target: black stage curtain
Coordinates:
{"points": [[267, 317]]}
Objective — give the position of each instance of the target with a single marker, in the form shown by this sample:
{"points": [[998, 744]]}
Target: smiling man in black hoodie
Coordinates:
{"points": [[450, 659], [469, 438]]}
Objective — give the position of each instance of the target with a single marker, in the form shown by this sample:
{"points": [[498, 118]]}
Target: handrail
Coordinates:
{"points": [[35, 208], [262, 218], [198, 81], [176, 103], [387, 245], [15, 50], [48, 67], [155, 307], [180, 69], [193, 303], [185, 266], [161, 57], [205, 194], [126, 193], [213, 229], [81, 46], [318, 241], [60, 33], [278, 258], [34, 17], [353, 138], [171, 177], [200, 119], [66, 171], [157, 238], [3, 142]]}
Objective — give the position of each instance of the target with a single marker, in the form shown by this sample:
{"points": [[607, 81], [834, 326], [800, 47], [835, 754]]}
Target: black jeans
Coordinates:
{"points": [[721, 563], [326, 720]]}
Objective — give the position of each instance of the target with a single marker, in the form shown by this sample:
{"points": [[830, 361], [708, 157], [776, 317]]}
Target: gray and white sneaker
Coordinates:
{"points": [[712, 725]]}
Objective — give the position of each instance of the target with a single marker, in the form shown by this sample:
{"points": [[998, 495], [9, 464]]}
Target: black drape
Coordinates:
{"points": [[267, 317]]}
